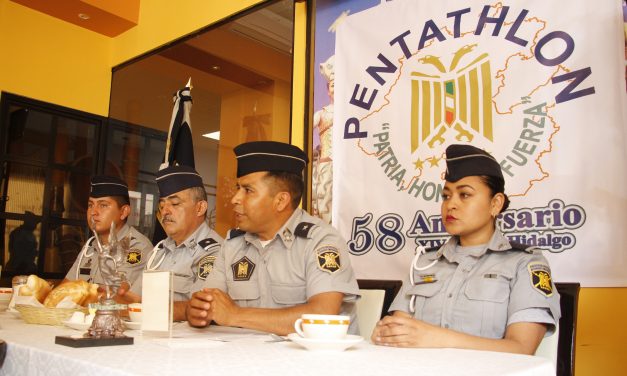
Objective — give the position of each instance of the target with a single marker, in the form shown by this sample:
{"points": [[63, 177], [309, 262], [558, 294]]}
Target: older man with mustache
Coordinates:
{"points": [[191, 246]]}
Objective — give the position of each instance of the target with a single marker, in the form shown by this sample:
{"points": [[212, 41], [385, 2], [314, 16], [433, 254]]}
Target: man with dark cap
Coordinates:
{"points": [[281, 262], [109, 203], [478, 290], [190, 249]]}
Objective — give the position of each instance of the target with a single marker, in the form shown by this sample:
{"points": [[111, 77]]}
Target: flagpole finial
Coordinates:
{"points": [[189, 83]]}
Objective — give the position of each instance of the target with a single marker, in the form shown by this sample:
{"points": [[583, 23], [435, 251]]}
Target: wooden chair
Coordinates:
{"points": [[569, 298], [560, 347]]}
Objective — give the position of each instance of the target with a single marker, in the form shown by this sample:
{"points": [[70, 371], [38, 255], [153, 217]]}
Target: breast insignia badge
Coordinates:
{"points": [[242, 269]]}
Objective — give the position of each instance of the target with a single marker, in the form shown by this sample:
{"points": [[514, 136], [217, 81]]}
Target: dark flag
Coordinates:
{"points": [[179, 149]]}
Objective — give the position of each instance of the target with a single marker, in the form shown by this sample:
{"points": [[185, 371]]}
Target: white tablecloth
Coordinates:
{"points": [[32, 351]]}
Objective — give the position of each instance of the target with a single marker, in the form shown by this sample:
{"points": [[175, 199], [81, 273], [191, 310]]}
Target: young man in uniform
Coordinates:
{"points": [[109, 203], [191, 246], [281, 262]]}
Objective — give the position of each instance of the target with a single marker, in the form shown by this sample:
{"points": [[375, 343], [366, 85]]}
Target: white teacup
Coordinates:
{"points": [[322, 326], [135, 312]]}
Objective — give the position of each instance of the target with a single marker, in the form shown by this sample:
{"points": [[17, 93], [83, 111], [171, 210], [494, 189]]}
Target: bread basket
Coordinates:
{"points": [[46, 316]]}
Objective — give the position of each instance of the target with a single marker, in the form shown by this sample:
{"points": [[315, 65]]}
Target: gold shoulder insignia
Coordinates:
{"points": [[205, 266], [134, 256], [329, 259], [540, 276]]}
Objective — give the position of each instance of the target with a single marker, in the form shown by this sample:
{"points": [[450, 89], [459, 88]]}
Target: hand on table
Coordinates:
{"points": [[198, 309], [403, 331], [210, 304], [125, 296]]}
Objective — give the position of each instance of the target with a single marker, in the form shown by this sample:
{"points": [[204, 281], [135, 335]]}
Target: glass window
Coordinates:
{"points": [[25, 190], [28, 133], [47, 157], [134, 154], [241, 73], [21, 244]]}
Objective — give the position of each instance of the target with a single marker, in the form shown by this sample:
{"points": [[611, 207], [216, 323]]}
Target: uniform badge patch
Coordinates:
{"points": [[540, 275], [242, 269], [205, 266], [134, 257], [426, 278], [329, 259]]}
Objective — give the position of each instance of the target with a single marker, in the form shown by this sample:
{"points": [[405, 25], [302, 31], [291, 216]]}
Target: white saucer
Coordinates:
{"points": [[77, 325], [133, 325], [326, 344]]}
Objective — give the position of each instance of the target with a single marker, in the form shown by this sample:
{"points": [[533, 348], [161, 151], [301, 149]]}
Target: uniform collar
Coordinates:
{"points": [[120, 234], [498, 243], [286, 232], [190, 243], [124, 230]]}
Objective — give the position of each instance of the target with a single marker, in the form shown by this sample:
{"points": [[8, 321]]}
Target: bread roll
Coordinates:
{"points": [[80, 292], [37, 287]]}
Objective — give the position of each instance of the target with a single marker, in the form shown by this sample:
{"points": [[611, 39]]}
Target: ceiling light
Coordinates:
{"points": [[215, 67], [213, 135], [83, 16]]}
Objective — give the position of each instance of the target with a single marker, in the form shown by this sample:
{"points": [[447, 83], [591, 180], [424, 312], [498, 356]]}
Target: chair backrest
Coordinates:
{"points": [[560, 347], [548, 347], [390, 286], [569, 302], [369, 309]]}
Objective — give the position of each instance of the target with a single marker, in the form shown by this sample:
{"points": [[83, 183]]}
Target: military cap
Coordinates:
{"points": [[269, 156], [467, 160], [174, 179], [103, 186]]}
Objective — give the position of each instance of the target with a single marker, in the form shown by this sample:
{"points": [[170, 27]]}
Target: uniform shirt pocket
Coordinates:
{"points": [[425, 305], [288, 295], [182, 285], [486, 312], [244, 293]]}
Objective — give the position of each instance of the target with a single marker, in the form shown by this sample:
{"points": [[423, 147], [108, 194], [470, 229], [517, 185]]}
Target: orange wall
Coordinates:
{"points": [[53, 61], [602, 332], [162, 21]]}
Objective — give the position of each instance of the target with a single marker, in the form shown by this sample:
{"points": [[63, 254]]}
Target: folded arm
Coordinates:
{"points": [[215, 305], [402, 330]]}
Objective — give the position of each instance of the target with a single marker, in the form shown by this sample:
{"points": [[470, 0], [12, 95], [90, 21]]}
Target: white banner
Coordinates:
{"points": [[539, 84]]}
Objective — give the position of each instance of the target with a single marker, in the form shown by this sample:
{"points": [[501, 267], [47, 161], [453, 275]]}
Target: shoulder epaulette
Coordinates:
{"points": [[303, 229], [234, 233], [522, 247], [208, 243]]}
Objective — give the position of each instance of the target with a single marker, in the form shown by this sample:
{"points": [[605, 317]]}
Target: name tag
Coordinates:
{"points": [[426, 278]]}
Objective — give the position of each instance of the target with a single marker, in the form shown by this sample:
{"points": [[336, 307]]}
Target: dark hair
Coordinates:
{"points": [[121, 200], [496, 185], [289, 182], [198, 193]]}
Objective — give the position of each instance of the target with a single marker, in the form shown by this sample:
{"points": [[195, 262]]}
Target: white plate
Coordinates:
{"points": [[133, 325], [326, 344], [77, 325]]}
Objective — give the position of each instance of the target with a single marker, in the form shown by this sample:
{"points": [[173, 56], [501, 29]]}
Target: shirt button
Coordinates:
{"points": [[450, 295]]}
